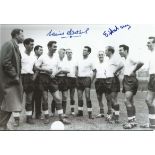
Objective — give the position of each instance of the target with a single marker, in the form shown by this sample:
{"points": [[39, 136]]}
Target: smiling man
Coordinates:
{"points": [[47, 64]]}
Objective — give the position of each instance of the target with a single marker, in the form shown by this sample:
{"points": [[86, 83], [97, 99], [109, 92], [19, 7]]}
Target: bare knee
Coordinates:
{"points": [[127, 102]]}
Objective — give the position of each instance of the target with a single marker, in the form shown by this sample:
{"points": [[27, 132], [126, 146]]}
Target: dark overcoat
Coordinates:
{"points": [[11, 91]]}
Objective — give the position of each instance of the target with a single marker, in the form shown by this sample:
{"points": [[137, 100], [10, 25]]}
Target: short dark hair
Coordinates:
{"points": [[125, 47], [50, 43], [111, 49], [16, 32], [152, 38], [37, 47], [27, 41], [89, 49]]}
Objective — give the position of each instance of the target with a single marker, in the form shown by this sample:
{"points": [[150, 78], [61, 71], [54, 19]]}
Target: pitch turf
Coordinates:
{"points": [[83, 123]]}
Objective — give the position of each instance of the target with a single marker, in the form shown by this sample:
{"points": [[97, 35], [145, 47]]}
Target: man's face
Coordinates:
{"points": [[122, 52], [39, 52], [101, 56], [61, 53], [151, 45], [85, 52], [107, 52], [53, 48], [20, 37], [30, 46], [69, 53]]}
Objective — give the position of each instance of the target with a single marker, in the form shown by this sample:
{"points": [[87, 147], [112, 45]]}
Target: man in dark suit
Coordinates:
{"points": [[10, 81]]}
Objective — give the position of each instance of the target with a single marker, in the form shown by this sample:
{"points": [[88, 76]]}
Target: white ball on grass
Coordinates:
{"points": [[57, 125]]}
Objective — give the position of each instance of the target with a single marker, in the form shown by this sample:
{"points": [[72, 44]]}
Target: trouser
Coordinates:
{"points": [[4, 118]]}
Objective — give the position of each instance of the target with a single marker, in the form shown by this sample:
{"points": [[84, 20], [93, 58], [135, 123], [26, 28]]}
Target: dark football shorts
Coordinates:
{"points": [[151, 84], [27, 82], [112, 84], [130, 83], [100, 86], [47, 83], [71, 82], [83, 82], [62, 83]]}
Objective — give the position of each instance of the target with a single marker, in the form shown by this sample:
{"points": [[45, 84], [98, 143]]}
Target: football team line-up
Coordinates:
{"points": [[38, 74]]}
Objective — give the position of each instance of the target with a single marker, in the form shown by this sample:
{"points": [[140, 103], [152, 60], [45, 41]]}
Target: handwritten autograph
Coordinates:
{"points": [[116, 28], [69, 33]]}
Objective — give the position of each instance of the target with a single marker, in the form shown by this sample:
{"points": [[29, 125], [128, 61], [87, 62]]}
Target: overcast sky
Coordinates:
{"points": [[135, 37]]}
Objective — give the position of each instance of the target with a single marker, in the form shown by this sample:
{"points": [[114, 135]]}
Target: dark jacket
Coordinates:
{"points": [[10, 67]]}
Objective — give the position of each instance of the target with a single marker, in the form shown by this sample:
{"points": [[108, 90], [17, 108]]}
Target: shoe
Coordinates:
{"points": [[130, 125], [109, 118], [80, 114], [46, 121], [29, 120], [117, 121], [73, 113], [16, 123], [64, 115], [40, 117], [65, 121], [91, 117], [99, 115], [52, 115]]}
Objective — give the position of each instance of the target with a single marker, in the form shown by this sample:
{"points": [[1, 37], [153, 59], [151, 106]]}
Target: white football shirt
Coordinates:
{"points": [[85, 67], [112, 64], [47, 62], [100, 68], [129, 64], [27, 62], [71, 66]]}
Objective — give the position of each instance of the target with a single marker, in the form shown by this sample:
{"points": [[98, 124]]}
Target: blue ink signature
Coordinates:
{"points": [[68, 34], [116, 28]]}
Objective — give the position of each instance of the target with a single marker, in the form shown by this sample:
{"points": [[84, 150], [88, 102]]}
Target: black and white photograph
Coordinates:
{"points": [[89, 77]]}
